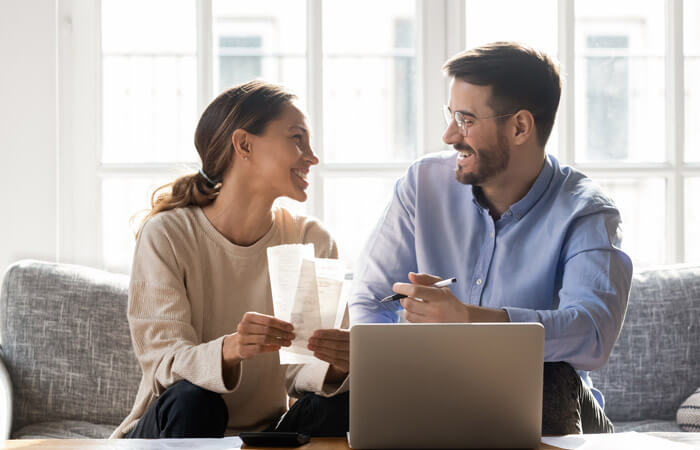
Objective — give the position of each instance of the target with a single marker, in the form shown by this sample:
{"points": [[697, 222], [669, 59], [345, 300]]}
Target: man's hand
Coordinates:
{"points": [[427, 304], [332, 346]]}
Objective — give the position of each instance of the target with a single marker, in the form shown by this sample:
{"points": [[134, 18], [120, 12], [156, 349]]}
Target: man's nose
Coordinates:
{"points": [[452, 135]]}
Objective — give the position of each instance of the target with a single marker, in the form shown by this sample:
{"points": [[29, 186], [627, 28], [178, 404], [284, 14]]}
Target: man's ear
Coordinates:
{"points": [[241, 141], [524, 126]]}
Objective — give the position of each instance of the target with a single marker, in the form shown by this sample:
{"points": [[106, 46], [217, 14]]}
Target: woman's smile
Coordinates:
{"points": [[300, 175]]}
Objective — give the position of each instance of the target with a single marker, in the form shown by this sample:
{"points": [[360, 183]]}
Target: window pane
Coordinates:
{"points": [[265, 40], [122, 199], [642, 204], [153, 26], [692, 220], [536, 27], [369, 97], [149, 91], [620, 81], [691, 42], [352, 206], [149, 109]]}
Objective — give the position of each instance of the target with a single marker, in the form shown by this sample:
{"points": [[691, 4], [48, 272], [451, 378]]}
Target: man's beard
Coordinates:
{"points": [[489, 163]]}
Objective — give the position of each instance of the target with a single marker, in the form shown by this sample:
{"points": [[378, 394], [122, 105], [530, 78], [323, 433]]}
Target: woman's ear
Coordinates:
{"points": [[524, 126], [241, 143]]}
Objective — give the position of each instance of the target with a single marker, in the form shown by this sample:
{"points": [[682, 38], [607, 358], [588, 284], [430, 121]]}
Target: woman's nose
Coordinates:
{"points": [[311, 156]]}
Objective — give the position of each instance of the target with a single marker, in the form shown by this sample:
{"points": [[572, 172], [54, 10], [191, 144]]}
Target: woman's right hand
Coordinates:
{"points": [[257, 333]]}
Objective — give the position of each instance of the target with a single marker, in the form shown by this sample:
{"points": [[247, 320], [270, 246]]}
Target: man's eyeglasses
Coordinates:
{"points": [[465, 122]]}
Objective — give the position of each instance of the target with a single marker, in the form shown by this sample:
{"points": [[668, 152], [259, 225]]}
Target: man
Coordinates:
{"points": [[529, 240]]}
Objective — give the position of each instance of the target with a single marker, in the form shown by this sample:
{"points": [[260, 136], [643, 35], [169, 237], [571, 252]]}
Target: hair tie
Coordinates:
{"points": [[209, 180]]}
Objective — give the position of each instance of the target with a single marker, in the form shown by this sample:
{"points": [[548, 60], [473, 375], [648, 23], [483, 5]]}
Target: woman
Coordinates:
{"points": [[200, 306]]}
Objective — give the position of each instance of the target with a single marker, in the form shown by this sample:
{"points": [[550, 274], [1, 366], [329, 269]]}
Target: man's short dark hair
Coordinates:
{"points": [[520, 78]]}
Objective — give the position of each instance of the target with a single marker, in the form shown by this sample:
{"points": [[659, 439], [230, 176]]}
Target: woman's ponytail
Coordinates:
{"points": [[188, 190]]}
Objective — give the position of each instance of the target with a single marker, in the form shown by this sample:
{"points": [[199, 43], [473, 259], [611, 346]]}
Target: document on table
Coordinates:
{"points": [[618, 441], [233, 442], [308, 292]]}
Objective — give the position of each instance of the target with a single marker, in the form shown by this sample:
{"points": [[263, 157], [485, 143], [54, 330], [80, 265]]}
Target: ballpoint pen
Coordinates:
{"points": [[442, 283]]}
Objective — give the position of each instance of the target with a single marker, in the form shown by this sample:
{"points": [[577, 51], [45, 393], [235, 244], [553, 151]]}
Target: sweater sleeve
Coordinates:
{"points": [[159, 313]]}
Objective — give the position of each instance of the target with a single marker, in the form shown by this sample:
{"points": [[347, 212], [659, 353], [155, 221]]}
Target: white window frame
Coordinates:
{"points": [[440, 26], [675, 170]]}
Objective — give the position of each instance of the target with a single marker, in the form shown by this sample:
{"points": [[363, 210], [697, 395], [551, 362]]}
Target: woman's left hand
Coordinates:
{"points": [[332, 346]]}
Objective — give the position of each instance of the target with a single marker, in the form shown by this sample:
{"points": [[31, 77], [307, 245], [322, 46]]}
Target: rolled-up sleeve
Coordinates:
{"points": [[595, 282]]}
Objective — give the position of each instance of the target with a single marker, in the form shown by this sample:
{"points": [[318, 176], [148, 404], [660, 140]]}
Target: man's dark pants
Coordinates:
{"points": [[186, 410]]}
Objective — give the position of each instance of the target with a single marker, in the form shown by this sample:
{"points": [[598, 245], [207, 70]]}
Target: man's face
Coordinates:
{"points": [[484, 153]]}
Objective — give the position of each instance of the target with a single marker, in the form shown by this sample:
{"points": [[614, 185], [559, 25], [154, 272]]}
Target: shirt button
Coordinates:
{"points": [[478, 281], [492, 234]]}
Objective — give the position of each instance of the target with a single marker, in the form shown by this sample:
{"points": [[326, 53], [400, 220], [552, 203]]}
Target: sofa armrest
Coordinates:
{"points": [[5, 402]]}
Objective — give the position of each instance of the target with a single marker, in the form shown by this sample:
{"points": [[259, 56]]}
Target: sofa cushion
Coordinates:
{"points": [[64, 429], [655, 363], [66, 343]]}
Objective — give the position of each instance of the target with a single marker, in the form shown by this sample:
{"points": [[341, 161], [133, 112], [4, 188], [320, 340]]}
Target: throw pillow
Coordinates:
{"points": [[688, 415]]}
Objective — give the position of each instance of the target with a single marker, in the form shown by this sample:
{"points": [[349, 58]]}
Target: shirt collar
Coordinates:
{"points": [[522, 206]]}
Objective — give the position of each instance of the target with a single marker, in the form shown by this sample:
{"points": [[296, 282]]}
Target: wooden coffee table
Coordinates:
{"points": [[98, 444]]}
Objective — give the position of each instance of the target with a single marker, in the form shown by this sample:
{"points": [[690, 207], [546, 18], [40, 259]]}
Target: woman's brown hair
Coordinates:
{"points": [[249, 106]]}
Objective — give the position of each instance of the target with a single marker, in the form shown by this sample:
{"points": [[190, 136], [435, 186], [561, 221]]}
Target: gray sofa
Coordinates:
{"points": [[66, 346]]}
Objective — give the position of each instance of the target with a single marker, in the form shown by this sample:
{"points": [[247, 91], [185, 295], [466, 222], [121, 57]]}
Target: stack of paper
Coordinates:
{"points": [[618, 441], [308, 292]]}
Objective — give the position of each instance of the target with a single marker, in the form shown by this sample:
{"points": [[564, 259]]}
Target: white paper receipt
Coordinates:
{"points": [[308, 292]]}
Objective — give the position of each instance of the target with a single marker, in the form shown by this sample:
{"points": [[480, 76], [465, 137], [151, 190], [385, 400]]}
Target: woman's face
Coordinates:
{"points": [[282, 155]]}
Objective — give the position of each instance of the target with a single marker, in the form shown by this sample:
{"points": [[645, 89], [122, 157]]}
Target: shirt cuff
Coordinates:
{"points": [[521, 314]]}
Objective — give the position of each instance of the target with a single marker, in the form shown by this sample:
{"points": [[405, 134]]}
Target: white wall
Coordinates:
{"points": [[28, 130]]}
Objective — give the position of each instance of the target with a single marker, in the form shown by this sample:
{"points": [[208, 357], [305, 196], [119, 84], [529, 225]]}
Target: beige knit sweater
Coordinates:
{"points": [[190, 286]]}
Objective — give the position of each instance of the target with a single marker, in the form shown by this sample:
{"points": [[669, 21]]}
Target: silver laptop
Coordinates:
{"points": [[446, 385]]}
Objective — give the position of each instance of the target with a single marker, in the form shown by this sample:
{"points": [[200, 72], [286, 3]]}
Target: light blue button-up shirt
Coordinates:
{"points": [[553, 257]]}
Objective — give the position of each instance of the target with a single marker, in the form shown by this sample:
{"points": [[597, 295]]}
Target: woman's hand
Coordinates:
{"points": [[332, 346], [257, 333]]}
